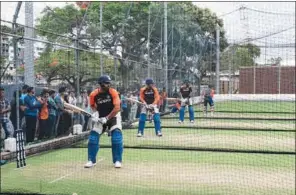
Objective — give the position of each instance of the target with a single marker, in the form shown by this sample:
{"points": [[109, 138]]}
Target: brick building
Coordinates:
{"points": [[267, 80]]}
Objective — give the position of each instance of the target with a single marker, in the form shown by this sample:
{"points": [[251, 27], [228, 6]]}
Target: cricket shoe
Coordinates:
{"points": [[180, 122], [139, 135], [159, 134], [89, 164], [117, 164], [192, 121]]}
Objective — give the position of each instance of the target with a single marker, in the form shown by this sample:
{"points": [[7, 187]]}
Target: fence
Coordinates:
{"points": [[169, 42]]}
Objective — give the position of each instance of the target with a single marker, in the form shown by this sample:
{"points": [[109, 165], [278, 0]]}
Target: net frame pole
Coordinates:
{"points": [[217, 59], [166, 43], [101, 39], [15, 60]]}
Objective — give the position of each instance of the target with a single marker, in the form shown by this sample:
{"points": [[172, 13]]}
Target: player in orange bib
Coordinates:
{"points": [[150, 97], [105, 103]]}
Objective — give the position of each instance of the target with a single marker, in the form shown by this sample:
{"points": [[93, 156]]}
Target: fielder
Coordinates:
{"points": [[176, 107], [105, 103], [150, 97], [186, 100], [208, 95]]}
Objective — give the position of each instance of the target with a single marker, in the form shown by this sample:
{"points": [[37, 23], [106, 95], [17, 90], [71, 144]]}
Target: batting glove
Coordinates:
{"points": [[95, 117], [103, 120]]}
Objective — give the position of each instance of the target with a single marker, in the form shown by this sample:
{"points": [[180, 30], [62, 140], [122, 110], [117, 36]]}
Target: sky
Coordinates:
{"points": [[238, 25]]}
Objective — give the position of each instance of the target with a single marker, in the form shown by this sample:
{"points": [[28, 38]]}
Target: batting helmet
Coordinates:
{"points": [[104, 79], [186, 81], [149, 81]]}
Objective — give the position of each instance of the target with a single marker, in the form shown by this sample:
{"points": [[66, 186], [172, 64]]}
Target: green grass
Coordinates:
{"points": [[255, 106], [168, 172], [189, 138], [104, 179]]}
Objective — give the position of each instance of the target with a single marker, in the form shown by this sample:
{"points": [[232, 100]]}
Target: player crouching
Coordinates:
{"points": [[175, 107], [150, 97], [105, 103]]}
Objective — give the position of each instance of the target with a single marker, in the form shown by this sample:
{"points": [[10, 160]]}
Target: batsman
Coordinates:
{"points": [[186, 100], [105, 103], [149, 96]]}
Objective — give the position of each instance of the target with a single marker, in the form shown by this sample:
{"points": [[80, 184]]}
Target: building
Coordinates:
{"points": [[229, 83], [268, 80], [8, 54]]}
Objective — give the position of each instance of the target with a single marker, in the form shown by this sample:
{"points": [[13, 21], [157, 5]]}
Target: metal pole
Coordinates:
{"points": [[279, 78], [229, 69], [16, 62], [148, 42], [101, 39], [115, 63], [217, 59], [254, 79], [172, 62], [77, 65], [29, 46], [166, 43], [180, 55]]}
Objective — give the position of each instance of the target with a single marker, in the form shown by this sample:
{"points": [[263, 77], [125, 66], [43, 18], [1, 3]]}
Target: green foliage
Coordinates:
{"points": [[238, 56], [58, 64], [125, 25]]}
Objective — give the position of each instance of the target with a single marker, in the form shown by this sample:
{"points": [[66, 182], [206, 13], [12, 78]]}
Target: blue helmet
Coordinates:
{"points": [[104, 79], [149, 81], [186, 81]]}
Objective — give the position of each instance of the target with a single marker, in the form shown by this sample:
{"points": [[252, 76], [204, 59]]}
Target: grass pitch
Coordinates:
{"points": [[170, 172], [153, 172]]}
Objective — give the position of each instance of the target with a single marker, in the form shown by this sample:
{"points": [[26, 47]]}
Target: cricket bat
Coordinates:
{"points": [[96, 126], [76, 108]]}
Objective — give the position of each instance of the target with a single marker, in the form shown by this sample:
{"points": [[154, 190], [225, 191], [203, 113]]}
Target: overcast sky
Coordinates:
{"points": [[238, 25]]}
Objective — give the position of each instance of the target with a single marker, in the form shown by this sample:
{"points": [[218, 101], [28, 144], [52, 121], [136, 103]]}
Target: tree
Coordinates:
{"points": [[275, 61], [238, 56], [125, 26], [60, 64]]}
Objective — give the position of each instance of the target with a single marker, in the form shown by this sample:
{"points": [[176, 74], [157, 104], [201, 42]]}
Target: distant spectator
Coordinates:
{"points": [[134, 106], [44, 125], [53, 111], [164, 98], [124, 108], [31, 112], [24, 93], [72, 99], [4, 110], [22, 107], [84, 104], [59, 100], [13, 117]]}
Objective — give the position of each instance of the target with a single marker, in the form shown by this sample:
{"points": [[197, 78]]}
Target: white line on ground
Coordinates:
{"points": [[60, 178]]}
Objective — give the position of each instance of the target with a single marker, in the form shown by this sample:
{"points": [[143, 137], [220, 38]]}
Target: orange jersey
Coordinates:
{"points": [[212, 93], [149, 96], [178, 105], [106, 103], [44, 112]]}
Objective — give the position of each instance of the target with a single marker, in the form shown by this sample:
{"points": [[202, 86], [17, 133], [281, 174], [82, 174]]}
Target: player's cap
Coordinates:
{"points": [[149, 81], [186, 81], [104, 79]]}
